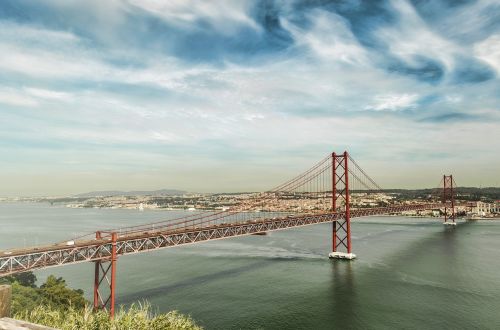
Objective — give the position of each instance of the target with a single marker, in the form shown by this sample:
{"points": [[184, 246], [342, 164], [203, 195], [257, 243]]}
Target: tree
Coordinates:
{"points": [[56, 293], [24, 298], [25, 279]]}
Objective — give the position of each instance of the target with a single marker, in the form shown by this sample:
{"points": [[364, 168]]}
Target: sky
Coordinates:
{"points": [[229, 95]]}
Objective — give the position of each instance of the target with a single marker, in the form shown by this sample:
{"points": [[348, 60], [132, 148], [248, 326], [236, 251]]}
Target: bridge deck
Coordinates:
{"points": [[22, 260]]}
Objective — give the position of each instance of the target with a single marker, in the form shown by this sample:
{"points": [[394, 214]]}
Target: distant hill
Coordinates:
{"points": [[105, 193]]}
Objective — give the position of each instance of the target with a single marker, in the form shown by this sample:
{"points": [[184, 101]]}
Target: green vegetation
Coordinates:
{"points": [[54, 293], [137, 317], [56, 305]]}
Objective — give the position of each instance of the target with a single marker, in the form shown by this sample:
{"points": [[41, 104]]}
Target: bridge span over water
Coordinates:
{"points": [[323, 193]]}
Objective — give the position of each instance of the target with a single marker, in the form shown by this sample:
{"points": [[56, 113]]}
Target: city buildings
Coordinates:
{"points": [[485, 209]]}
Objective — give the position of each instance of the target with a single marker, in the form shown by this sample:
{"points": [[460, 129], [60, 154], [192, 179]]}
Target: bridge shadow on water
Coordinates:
{"points": [[445, 239], [194, 281], [379, 295]]}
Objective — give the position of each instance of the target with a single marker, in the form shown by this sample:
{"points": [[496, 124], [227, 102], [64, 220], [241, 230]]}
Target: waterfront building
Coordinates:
{"points": [[487, 208]]}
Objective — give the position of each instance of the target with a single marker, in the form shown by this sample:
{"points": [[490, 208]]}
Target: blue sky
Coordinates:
{"points": [[241, 95]]}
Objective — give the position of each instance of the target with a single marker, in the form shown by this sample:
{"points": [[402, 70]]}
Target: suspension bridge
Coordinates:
{"points": [[323, 193]]}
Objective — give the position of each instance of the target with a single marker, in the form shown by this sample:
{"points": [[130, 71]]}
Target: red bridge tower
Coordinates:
{"points": [[341, 240], [448, 197]]}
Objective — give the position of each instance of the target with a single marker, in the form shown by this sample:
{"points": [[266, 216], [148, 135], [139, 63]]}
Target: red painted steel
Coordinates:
{"points": [[28, 259], [310, 185], [448, 195], [347, 204], [342, 227], [96, 276], [334, 202], [101, 250], [113, 276], [106, 276]]}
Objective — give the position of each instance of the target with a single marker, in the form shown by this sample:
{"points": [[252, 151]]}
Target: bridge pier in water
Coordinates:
{"points": [[341, 228], [105, 279]]}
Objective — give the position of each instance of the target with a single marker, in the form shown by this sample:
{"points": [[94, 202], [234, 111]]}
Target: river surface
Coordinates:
{"points": [[411, 273]]}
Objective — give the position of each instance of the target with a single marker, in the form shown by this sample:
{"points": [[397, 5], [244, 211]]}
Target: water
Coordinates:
{"points": [[410, 273]]}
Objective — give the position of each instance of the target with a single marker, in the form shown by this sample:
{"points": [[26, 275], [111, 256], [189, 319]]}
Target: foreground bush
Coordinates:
{"points": [[137, 317], [26, 295]]}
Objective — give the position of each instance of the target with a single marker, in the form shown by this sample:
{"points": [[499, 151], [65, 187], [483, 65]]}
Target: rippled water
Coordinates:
{"points": [[410, 273]]}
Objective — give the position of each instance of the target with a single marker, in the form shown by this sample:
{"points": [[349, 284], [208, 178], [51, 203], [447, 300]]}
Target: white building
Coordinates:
{"points": [[487, 208]]}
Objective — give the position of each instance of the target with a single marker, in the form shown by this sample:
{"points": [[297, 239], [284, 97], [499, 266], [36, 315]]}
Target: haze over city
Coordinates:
{"points": [[242, 95]]}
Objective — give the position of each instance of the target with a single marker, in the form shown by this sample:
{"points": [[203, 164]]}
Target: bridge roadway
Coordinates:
{"points": [[21, 260]]}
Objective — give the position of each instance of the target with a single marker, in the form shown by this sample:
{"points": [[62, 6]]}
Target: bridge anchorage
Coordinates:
{"points": [[335, 190]]}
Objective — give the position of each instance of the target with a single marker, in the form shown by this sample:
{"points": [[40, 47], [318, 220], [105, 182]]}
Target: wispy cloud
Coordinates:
{"points": [[394, 102], [114, 86], [488, 50], [10, 96], [223, 15]]}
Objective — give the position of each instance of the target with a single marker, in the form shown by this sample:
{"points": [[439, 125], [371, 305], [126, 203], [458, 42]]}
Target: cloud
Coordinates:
{"points": [[464, 22], [223, 15], [9, 96], [393, 102], [48, 94], [129, 87], [413, 42], [472, 71], [488, 50], [329, 37]]}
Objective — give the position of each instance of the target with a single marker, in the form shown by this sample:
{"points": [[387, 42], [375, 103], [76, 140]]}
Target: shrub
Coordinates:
{"points": [[137, 317]]}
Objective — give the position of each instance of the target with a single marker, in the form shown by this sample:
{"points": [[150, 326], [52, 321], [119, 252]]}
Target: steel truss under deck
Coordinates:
{"points": [[102, 249]]}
